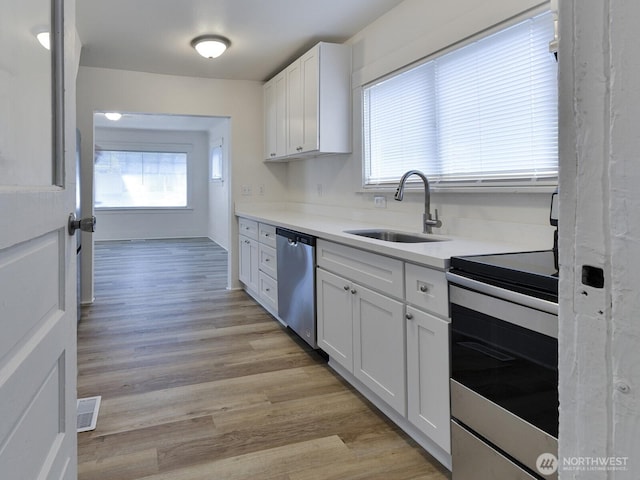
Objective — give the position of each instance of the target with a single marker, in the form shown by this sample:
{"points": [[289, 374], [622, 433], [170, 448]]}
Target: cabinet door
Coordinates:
{"points": [[294, 108], [379, 348], [309, 64], [275, 117], [281, 115], [334, 309], [270, 120], [249, 271], [428, 375]]}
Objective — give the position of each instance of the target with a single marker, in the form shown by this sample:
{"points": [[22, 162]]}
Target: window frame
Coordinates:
{"points": [[543, 184], [216, 160], [186, 148]]}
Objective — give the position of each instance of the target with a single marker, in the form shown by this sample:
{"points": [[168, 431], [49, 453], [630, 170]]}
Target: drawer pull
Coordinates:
{"points": [[424, 288], [353, 291], [409, 316], [346, 287]]}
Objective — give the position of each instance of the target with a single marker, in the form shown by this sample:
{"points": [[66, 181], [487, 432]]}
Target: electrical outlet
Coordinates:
{"points": [[245, 189], [319, 189], [380, 201], [261, 189]]}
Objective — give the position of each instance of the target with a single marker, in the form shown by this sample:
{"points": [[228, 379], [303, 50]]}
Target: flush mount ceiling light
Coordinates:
{"points": [[113, 116], [210, 46], [43, 38]]}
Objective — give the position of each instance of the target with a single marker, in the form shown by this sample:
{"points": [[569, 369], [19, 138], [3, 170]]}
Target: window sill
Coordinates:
{"points": [[418, 188], [113, 210]]}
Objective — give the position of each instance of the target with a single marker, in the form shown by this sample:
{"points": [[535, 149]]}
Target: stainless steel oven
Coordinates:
{"points": [[504, 366]]}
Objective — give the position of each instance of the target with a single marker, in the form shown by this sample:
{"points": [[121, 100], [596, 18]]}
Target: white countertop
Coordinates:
{"points": [[432, 254]]}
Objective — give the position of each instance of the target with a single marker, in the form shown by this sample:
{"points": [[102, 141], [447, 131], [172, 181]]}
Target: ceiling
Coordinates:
{"points": [[266, 35]]}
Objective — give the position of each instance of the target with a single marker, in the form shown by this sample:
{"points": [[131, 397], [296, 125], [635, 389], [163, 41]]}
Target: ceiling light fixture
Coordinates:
{"points": [[210, 46], [113, 116], [43, 38]]}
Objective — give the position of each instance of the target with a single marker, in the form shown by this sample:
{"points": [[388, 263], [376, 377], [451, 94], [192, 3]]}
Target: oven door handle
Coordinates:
{"points": [[515, 297]]}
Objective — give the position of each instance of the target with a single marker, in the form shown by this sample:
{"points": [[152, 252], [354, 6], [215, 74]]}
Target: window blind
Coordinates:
{"points": [[484, 112]]}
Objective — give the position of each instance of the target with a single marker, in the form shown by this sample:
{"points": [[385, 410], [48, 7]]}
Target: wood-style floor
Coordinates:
{"points": [[200, 383]]}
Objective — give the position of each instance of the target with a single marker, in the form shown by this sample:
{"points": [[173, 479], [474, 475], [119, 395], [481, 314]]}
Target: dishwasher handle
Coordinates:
{"points": [[294, 238]]}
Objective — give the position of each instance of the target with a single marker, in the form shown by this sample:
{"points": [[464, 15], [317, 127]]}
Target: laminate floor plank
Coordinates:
{"points": [[199, 382]]}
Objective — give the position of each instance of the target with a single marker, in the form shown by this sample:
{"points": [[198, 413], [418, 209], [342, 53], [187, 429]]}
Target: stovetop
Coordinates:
{"points": [[534, 273]]}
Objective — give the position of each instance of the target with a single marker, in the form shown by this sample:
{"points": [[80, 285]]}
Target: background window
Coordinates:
{"points": [[216, 160], [131, 179], [486, 112]]}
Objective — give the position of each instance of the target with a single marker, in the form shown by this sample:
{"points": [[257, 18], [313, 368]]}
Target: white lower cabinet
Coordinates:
{"points": [[249, 263], [428, 375], [258, 262], [378, 347], [384, 324], [363, 331], [335, 317]]}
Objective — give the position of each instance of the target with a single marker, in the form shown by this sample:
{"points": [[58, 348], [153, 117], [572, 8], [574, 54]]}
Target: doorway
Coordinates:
{"points": [[156, 176]]}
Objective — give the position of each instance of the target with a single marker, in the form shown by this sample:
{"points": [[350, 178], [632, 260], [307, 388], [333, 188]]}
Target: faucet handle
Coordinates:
{"points": [[434, 222]]}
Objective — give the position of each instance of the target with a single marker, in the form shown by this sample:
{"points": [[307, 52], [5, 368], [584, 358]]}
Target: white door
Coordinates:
{"points": [[37, 255]]}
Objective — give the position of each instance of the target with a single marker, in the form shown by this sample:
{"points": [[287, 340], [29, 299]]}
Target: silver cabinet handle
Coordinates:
{"points": [[409, 316], [346, 287], [424, 288], [353, 291]]}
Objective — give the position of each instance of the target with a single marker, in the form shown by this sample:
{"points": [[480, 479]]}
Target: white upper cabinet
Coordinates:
{"points": [[275, 111], [316, 102]]}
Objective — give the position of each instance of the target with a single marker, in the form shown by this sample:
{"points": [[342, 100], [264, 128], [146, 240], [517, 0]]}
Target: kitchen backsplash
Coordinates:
{"points": [[327, 186]]}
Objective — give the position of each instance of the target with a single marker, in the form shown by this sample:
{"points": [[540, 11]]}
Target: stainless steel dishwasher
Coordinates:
{"points": [[297, 282]]}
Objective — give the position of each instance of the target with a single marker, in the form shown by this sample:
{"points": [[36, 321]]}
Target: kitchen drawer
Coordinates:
{"points": [[268, 262], [248, 228], [427, 289], [269, 291], [267, 234], [381, 273]]}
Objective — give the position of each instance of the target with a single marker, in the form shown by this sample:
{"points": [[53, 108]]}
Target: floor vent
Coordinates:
{"points": [[87, 411]]}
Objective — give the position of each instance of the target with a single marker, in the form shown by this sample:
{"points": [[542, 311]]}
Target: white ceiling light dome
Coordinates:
{"points": [[43, 38], [210, 46], [113, 116]]}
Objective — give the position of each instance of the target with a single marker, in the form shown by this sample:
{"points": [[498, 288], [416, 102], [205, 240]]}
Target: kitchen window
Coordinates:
{"points": [[140, 179], [484, 114]]}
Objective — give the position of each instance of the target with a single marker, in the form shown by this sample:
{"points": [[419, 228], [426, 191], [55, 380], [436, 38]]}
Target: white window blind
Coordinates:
{"points": [[486, 112]]}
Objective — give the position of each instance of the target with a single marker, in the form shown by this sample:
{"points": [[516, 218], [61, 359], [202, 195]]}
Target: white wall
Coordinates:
{"points": [[100, 89], [219, 212], [600, 227], [159, 223], [411, 31]]}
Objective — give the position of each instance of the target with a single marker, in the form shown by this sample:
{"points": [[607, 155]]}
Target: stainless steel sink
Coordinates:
{"points": [[393, 236]]}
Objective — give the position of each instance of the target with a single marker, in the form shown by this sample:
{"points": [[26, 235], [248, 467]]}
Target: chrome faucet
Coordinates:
{"points": [[427, 220]]}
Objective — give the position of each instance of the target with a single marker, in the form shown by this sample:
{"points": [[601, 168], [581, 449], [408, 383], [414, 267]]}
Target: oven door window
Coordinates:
{"points": [[512, 366]]}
